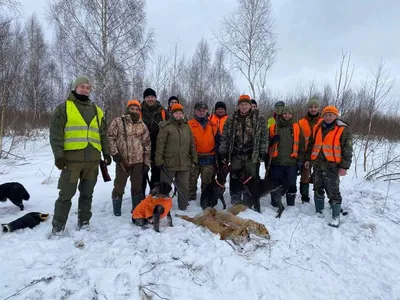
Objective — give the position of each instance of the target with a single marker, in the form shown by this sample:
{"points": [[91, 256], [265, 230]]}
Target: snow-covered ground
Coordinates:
{"points": [[305, 258]]}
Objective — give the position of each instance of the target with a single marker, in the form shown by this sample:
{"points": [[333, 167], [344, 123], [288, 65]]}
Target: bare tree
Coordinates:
{"points": [[344, 99], [248, 37]]}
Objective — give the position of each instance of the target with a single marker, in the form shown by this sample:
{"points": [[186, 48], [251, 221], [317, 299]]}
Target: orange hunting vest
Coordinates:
{"points": [[296, 140], [305, 127], [220, 122], [330, 144], [204, 138]]}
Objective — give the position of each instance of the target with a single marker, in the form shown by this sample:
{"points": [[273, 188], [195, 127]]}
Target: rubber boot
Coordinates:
{"points": [[304, 191], [290, 199], [135, 200], [117, 203], [319, 207], [335, 222]]}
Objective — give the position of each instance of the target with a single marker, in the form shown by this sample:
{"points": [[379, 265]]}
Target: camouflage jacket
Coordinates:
{"points": [[57, 127], [346, 146], [131, 141], [250, 140]]}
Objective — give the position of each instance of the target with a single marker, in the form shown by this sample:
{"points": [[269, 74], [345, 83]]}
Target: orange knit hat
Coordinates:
{"points": [[244, 98], [134, 102], [176, 107], [330, 109]]}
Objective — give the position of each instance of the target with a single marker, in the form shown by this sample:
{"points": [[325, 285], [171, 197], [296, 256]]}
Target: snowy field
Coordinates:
{"points": [[305, 258]]}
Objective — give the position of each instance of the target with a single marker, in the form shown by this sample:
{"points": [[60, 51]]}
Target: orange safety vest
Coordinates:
{"points": [[296, 140], [204, 138], [219, 121], [307, 130], [145, 208], [330, 144]]}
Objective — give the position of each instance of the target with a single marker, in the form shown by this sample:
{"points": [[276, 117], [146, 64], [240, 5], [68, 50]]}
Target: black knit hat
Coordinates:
{"points": [[220, 104], [172, 98], [253, 102], [149, 92]]}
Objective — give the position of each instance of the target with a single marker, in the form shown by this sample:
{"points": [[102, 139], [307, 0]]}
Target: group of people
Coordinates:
{"points": [[149, 139]]}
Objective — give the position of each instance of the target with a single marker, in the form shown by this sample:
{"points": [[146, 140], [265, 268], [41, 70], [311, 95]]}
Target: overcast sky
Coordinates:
{"points": [[311, 35]]}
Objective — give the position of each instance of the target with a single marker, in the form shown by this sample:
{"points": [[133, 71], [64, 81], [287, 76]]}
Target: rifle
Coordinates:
{"points": [[104, 171]]}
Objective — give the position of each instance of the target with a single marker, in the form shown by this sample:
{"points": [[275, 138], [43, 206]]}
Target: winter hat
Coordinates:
{"points": [[330, 109], [200, 105], [79, 80], [149, 92], [279, 104], [244, 98], [288, 109], [176, 107], [133, 102], [254, 102], [220, 104], [312, 102], [172, 98]]}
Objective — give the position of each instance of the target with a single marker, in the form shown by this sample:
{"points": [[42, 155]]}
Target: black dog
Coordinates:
{"points": [[215, 190], [15, 192], [258, 188], [29, 220]]}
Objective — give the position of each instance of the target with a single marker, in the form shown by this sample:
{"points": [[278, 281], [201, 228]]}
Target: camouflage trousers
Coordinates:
{"points": [[121, 177], [206, 173], [327, 180], [84, 172], [241, 169]]}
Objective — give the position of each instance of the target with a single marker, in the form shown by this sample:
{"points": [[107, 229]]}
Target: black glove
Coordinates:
{"points": [[117, 158], [299, 168], [145, 169], [223, 158], [276, 138], [60, 163], [107, 159]]}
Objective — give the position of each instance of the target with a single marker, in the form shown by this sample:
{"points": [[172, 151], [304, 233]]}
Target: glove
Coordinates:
{"points": [[276, 138], [60, 163], [145, 169], [223, 158], [117, 158], [299, 168], [107, 159]]}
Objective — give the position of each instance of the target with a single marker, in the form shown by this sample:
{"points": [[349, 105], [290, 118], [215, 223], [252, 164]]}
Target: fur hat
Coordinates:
{"points": [[312, 102], [176, 107], [200, 105], [244, 98], [79, 80], [133, 102], [172, 98], [220, 104], [330, 109], [254, 102], [149, 92]]}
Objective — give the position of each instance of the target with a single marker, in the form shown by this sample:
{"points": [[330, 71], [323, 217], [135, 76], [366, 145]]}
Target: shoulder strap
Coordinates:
{"points": [[97, 115]]}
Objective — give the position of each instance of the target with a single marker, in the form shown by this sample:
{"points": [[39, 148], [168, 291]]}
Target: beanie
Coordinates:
{"points": [[133, 102], [220, 104], [149, 92], [200, 105], [279, 104], [312, 102], [288, 109], [176, 107], [172, 98], [79, 80], [244, 98], [330, 109], [254, 102]]}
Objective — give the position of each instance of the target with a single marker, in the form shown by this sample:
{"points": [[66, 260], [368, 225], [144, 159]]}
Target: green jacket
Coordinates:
{"points": [[59, 119], [175, 146], [346, 146], [251, 142], [285, 145]]}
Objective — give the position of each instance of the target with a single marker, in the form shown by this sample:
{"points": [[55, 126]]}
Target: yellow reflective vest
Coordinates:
{"points": [[77, 134]]}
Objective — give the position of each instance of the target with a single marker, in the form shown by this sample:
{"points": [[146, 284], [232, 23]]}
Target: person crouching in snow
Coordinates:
{"points": [[154, 207]]}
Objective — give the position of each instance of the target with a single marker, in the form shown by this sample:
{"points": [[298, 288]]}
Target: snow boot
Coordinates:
{"points": [[319, 207], [136, 199], [335, 222], [290, 199], [117, 203], [304, 191]]}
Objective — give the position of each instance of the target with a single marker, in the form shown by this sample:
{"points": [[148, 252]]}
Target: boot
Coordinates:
{"points": [[304, 191], [319, 207], [135, 200], [58, 228], [290, 198], [117, 203], [335, 216]]}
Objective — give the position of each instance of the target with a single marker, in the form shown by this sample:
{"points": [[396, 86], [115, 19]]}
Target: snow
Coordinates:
{"points": [[305, 258]]}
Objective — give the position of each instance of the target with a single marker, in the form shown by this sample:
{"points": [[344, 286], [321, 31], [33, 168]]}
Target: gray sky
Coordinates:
{"points": [[311, 35]]}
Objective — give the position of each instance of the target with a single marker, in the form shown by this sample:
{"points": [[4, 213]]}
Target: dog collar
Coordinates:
{"points": [[216, 180], [247, 180]]}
